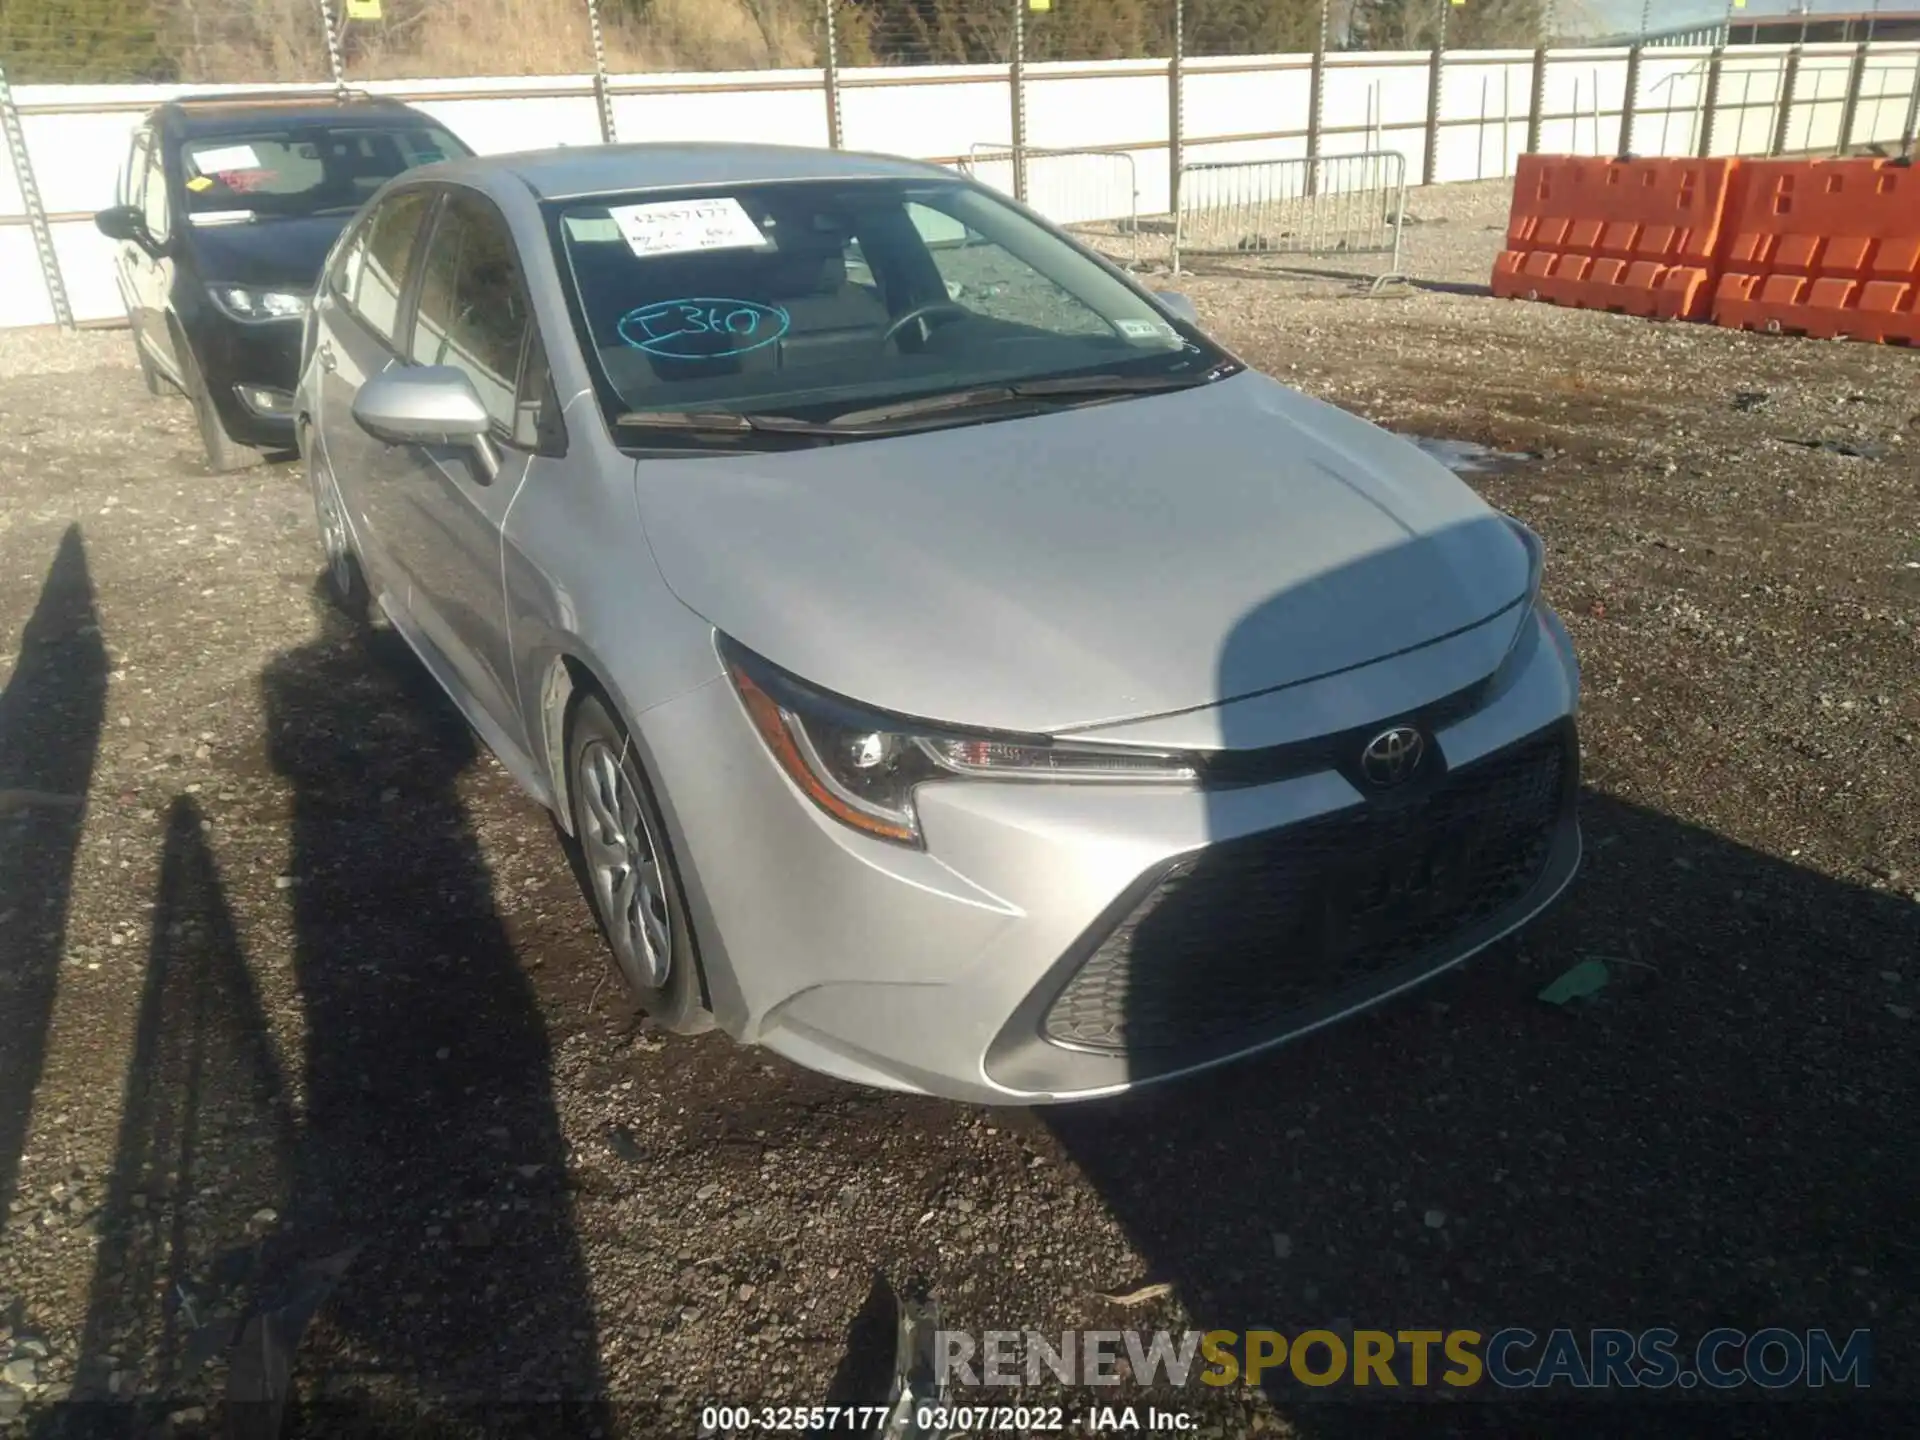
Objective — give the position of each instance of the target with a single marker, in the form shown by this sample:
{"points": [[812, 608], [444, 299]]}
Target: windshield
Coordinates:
{"points": [[812, 299], [303, 169]]}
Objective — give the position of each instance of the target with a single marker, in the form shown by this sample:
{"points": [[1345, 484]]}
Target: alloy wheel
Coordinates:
{"points": [[329, 511], [624, 864]]}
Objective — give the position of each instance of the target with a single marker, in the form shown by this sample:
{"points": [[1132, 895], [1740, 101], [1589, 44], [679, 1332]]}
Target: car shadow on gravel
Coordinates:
{"points": [[1721, 1136], [430, 1137], [51, 712]]}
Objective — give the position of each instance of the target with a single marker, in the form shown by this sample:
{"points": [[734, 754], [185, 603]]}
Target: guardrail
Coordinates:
{"points": [[1334, 206], [1093, 193]]}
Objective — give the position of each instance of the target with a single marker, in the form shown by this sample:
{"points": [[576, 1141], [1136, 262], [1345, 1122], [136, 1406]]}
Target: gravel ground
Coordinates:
{"points": [[305, 980]]}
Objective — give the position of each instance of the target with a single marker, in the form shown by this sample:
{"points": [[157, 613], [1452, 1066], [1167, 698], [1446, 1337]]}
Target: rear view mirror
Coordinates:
{"points": [[426, 405], [122, 222], [1178, 306]]}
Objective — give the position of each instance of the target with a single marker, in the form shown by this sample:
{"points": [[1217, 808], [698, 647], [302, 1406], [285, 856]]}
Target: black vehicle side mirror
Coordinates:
{"points": [[122, 222]]}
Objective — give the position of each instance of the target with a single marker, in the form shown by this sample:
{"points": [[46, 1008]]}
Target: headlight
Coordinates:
{"points": [[252, 306], [1520, 648], [862, 767], [1536, 555]]}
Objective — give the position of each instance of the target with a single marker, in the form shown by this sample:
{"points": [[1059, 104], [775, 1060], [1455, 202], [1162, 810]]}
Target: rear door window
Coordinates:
{"points": [[473, 311], [377, 274]]}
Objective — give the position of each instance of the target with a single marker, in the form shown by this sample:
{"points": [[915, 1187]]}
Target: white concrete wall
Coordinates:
{"points": [[77, 136]]}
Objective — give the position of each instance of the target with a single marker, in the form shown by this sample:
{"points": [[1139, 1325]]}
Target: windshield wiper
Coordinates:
{"points": [[1069, 387], [925, 405], [716, 422], [880, 418]]}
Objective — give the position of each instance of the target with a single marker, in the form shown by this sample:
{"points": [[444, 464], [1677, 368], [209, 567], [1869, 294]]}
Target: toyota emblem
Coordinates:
{"points": [[1393, 756]]}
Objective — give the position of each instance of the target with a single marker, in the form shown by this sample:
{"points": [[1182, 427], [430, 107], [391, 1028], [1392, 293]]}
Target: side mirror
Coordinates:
{"points": [[122, 222], [1178, 306], [427, 405]]}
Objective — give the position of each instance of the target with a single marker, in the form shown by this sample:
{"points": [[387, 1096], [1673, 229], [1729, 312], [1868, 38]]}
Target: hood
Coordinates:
{"points": [[283, 253], [1108, 563]]}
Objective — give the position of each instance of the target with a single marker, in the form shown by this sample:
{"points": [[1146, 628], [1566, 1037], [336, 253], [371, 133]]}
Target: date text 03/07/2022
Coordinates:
{"points": [[945, 1420]]}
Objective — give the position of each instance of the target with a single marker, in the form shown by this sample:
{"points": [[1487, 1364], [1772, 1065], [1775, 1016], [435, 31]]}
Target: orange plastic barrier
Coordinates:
{"points": [[1828, 248], [1636, 236]]}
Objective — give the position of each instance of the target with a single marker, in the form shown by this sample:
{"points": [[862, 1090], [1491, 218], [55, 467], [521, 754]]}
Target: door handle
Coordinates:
{"points": [[325, 356]]}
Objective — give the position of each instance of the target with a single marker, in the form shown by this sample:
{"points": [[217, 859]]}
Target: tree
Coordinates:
{"points": [[930, 32], [1251, 27], [1413, 24]]}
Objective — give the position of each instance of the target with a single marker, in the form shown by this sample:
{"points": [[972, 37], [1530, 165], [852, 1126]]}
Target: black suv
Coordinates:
{"points": [[227, 206]]}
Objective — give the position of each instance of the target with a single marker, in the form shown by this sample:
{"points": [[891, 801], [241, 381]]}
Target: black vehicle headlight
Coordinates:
{"points": [[862, 766], [251, 305]]}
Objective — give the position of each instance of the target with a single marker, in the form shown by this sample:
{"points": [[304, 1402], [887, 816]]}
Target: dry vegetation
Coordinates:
{"points": [[541, 37], [277, 41], [269, 41]]}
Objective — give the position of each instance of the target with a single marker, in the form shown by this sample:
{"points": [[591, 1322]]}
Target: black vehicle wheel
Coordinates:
{"points": [[346, 583], [224, 453], [150, 375], [627, 870]]}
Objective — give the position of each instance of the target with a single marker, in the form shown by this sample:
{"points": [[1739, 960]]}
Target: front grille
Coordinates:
{"points": [[1239, 935]]}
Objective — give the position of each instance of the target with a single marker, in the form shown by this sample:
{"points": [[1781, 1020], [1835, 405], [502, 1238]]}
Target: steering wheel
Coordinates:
{"points": [[921, 313]]}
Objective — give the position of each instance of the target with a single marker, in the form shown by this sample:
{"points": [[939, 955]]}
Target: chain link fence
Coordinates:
{"points": [[1089, 110]]}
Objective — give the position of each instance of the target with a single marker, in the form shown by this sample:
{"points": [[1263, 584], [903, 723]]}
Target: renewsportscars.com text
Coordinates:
{"points": [[1512, 1358]]}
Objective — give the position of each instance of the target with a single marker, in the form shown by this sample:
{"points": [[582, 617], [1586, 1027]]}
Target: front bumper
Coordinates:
{"points": [[1005, 962], [234, 357]]}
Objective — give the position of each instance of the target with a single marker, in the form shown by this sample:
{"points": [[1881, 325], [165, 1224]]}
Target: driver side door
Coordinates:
{"points": [[447, 513]]}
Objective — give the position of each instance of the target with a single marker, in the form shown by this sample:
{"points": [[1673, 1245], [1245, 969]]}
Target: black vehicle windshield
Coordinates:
{"points": [[302, 169], [810, 300]]}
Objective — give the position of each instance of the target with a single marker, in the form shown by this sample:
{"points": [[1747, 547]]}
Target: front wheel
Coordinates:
{"points": [[224, 453], [150, 375], [345, 581], [627, 869]]}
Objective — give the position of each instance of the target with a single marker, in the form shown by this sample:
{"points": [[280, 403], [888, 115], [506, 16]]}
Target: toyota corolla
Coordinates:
{"points": [[951, 668]]}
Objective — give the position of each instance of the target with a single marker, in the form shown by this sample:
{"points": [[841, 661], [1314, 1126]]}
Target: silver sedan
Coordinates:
{"points": [[957, 672]]}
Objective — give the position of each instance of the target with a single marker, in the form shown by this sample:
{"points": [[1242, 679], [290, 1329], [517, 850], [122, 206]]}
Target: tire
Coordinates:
{"points": [[344, 581], [155, 382], [224, 453], [616, 819]]}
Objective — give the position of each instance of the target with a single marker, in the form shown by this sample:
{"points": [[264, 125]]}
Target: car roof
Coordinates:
{"points": [[217, 113], [571, 172]]}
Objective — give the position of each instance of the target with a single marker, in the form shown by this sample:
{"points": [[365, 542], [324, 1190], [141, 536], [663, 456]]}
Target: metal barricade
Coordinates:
{"points": [[1095, 194], [1338, 205]]}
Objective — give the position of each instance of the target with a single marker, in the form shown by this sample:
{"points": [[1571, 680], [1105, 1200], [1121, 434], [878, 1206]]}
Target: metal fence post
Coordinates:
{"points": [[1850, 111], [1913, 114], [1789, 82], [1317, 102], [1436, 72], [336, 58], [835, 137], [1017, 82], [1176, 123], [1630, 103], [1710, 102], [1536, 106], [602, 94], [36, 211]]}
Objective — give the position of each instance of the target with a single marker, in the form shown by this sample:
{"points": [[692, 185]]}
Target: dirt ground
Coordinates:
{"points": [[306, 980]]}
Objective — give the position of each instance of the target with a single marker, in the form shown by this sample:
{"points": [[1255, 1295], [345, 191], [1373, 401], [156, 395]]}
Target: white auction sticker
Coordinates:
{"points": [[227, 157], [672, 227]]}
